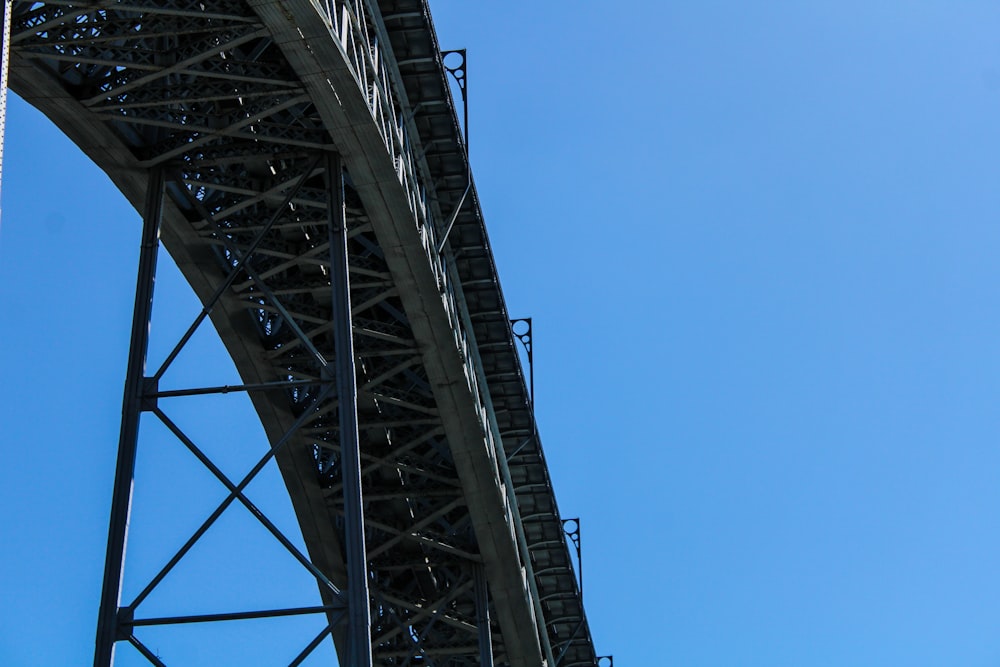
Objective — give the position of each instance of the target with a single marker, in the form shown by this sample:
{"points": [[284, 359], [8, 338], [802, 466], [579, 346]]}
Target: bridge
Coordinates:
{"points": [[305, 166]]}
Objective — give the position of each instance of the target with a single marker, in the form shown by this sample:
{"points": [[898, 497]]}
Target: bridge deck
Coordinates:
{"points": [[237, 100]]}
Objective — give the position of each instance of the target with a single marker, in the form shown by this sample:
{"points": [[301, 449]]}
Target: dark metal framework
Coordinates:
{"points": [[330, 285], [348, 611]]}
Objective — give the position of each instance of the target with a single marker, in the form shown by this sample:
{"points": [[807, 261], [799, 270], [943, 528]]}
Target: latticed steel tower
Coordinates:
{"points": [[304, 164]]}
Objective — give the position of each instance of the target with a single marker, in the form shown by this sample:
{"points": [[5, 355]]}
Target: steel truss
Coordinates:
{"points": [[200, 111]]}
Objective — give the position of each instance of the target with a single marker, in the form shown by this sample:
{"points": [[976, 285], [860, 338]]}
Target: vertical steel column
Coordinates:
{"points": [[358, 605], [121, 501], [483, 618]]}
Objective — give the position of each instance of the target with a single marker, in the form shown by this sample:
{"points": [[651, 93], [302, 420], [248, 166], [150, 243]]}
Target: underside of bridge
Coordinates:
{"points": [[271, 123]]}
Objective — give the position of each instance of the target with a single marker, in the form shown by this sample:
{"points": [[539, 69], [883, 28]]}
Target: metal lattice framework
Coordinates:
{"points": [[266, 136]]}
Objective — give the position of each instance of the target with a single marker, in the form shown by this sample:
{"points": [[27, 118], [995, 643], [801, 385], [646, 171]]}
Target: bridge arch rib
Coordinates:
{"points": [[235, 101]]}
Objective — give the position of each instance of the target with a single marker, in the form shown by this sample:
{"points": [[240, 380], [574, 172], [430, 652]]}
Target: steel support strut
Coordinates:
{"points": [[483, 618], [132, 405], [359, 647]]}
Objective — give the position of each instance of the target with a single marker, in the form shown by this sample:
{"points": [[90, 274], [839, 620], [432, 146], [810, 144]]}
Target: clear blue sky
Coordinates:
{"points": [[761, 246]]}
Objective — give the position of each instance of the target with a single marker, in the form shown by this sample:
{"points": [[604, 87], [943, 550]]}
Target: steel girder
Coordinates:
{"points": [[228, 98]]}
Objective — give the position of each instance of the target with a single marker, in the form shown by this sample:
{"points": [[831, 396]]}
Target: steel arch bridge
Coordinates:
{"points": [[303, 163]]}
